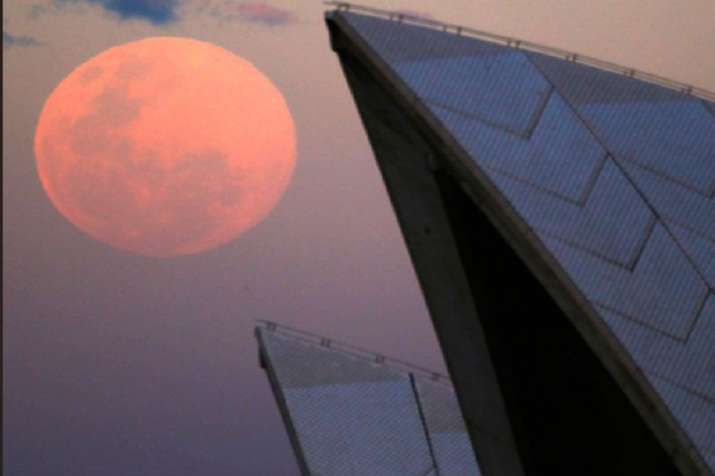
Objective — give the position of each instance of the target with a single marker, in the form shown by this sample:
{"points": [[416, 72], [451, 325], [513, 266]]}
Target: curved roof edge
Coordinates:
{"points": [[515, 43], [396, 365]]}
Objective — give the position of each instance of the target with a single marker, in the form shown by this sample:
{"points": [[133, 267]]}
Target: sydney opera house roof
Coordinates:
{"points": [[352, 413], [560, 215]]}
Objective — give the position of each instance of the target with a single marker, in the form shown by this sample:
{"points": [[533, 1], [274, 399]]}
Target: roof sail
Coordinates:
{"points": [[609, 179]]}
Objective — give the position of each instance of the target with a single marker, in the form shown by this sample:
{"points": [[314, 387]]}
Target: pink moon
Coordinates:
{"points": [[165, 146]]}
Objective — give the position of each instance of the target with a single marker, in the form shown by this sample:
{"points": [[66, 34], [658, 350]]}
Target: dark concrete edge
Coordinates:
{"points": [[537, 258], [428, 237], [410, 177], [264, 361]]}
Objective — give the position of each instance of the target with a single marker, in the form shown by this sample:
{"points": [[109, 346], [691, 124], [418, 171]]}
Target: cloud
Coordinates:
{"points": [[162, 12], [36, 10], [9, 40], [264, 14], [253, 12], [158, 12]]}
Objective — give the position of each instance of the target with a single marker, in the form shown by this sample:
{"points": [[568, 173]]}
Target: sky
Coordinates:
{"points": [[116, 363]]}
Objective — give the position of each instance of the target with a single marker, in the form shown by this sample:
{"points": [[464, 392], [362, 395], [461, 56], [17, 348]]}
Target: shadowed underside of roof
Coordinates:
{"points": [[603, 185]]}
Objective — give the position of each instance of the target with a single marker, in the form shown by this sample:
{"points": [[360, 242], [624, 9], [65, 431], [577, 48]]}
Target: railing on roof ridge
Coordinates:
{"points": [[354, 351], [525, 45]]}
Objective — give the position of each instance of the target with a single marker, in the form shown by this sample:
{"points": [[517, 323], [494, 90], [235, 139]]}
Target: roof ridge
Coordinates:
{"points": [[394, 364], [402, 17]]}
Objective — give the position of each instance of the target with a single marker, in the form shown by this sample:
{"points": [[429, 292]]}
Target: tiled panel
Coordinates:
{"points": [[440, 407], [402, 42], [674, 202], [613, 225], [363, 428], [453, 452], [675, 139], [448, 435], [663, 140], [460, 74], [501, 90], [663, 291], [585, 84], [682, 371], [351, 416], [700, 248], [694, 412], [689, 362], [538, 159]]}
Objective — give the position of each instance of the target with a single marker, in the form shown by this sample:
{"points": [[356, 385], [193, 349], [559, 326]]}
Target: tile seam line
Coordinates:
{"points": [[650, 229], [624, 267], [593, 179], [701, 308], [579, 203], [706, 398], [523, 136], [705, 194], [702, 235], [584, 194], [650, 327], [425, 428], [628, 177]]}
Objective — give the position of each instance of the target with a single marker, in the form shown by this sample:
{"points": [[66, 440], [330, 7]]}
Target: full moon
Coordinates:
{"points": [[165, 146]]}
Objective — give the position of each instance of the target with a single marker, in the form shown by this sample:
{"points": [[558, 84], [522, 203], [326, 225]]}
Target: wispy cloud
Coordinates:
{"points": [[36, 10], [9, 40], [264, 13], [261, 13], [158, 12], [163, 12]]}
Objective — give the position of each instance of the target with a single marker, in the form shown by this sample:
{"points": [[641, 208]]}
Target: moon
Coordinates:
{"points": [[165, 146]]}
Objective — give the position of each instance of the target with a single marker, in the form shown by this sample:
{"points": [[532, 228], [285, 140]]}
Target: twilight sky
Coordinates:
{"points": [[119, 364]]}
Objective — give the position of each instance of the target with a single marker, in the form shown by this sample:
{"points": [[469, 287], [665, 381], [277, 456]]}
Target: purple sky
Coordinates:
{"points": [[119, 364]]}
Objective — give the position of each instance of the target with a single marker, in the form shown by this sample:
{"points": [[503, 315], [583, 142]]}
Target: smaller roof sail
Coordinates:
{"points": [[353, 414]]}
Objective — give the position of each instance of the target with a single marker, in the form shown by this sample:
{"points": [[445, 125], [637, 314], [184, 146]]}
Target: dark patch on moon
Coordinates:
{"points": [[211, 176], [132, 68], [106, 189], [95, 133]]}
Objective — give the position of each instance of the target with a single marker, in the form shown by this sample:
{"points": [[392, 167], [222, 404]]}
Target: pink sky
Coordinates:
{"points": [[119, 361]]}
